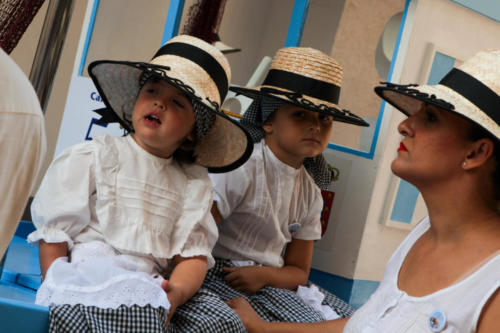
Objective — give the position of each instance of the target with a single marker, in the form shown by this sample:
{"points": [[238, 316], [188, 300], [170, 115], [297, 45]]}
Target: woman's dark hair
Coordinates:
{"points": [[477, 132]]}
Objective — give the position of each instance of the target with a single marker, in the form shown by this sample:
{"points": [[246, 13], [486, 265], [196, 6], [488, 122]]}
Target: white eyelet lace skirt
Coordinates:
{"points": [[99, 276]]}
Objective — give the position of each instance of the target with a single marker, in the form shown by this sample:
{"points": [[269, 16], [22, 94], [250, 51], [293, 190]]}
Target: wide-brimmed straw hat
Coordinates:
{"points": [[200, 71], [471, 90], [305, 77]]}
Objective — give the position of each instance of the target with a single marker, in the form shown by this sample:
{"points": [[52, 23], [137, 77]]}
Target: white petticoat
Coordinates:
{"points": [[99, 276]]}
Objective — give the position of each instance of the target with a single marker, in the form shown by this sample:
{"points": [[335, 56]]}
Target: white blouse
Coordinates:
{"points": [[264, 204], [113, 191], [452, 309]]}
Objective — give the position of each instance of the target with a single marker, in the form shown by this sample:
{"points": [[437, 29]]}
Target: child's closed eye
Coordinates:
{"points": [[178, 103]]}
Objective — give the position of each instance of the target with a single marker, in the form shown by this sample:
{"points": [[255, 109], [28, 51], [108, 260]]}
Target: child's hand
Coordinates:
{"points": [[173, 295], [247, 279], [248, 316]]}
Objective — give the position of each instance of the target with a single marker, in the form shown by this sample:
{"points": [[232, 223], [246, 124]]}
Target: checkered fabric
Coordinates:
{"points": [[80, 318], [273, 304], [257, 114], [205, 312]]}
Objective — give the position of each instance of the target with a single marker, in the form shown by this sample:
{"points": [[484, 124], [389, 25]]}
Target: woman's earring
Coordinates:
{"points": [[464, 164]]}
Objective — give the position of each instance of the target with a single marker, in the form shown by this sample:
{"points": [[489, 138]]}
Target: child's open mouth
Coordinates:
{"points": [[153, 118]]}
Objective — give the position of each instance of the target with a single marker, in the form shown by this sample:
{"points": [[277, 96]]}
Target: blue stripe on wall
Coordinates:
{"points": [[488, 8], [441, 65], [297, 22], [354, 292], [337, 285], [405, 202], [88, 37], [173, 20]]}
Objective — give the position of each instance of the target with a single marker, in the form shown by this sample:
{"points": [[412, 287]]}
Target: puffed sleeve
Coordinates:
{"points": [[230, 188], [310, 223], [196, 233], [60, 209]]}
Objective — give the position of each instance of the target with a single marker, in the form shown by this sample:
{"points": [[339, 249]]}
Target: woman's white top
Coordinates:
{"points": [[453, 309], [122, 211], [264, 204]]}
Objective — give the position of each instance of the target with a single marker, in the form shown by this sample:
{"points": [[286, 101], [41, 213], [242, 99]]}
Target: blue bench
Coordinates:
{"points": [[18, 284]]}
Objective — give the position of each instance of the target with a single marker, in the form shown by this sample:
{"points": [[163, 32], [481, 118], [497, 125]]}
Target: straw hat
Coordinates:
{"points": [[202, 73], [307, 78], [472, 90]]}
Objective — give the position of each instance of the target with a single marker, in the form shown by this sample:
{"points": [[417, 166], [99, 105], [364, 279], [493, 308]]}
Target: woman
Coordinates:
{"points": [[445, 276]]}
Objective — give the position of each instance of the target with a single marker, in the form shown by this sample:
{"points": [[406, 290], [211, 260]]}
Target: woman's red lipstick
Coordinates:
{"points": [[402, 147]]}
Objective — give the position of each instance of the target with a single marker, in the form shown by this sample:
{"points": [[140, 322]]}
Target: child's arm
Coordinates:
{"points": [[61, 208], [185, 280], [254, 323], [215, 213], [294, 272], [48, 252]]}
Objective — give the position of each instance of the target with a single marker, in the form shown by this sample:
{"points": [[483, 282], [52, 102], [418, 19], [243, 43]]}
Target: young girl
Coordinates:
{"points": [[269, 209], [114, 216]]}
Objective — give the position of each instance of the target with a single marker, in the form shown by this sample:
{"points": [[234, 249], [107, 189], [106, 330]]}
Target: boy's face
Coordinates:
{"points": [[294, 133], [163, 118]]}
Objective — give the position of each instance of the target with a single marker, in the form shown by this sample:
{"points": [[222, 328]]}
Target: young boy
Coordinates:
{"points": [[269, 209]]}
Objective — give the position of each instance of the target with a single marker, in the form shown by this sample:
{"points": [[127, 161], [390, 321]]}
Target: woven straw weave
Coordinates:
{"points": [[308, 62]]}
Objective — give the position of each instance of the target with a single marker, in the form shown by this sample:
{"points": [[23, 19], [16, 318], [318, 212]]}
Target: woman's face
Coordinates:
{"points": [[434, 146]]}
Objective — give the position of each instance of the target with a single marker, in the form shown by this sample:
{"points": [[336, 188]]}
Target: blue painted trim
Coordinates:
{"points": [[297, 22], [351, 151], [441, 65], [488, 8], [88, 37], [173, 20], [376, 132], [337, 285], [405, 202], [354, 292]]}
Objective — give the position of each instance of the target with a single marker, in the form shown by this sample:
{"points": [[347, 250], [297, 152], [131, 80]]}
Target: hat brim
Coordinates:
{"points": [[226, 145], [303, 101], [409, 98]]}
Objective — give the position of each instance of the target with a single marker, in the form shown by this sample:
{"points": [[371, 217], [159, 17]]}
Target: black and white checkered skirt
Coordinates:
{"points": [[81, 318], [204, 312], [274, 304]]}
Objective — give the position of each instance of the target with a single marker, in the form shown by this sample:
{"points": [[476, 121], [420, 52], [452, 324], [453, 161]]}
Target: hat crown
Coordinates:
{"points": [[204, 67], [485, 67], [308, 62]]}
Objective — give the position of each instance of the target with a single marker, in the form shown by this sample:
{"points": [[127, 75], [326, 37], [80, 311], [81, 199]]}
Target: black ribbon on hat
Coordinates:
{"points": [[201, 58], [307, 86], [475, 91]]}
